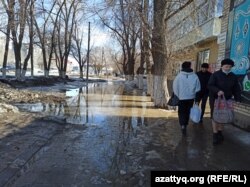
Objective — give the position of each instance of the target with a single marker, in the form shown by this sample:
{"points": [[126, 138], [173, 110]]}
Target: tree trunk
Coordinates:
{"points": [[31, 37], [81, 74], [46, 73], [150, 85], [23, 74], [146, 47], [32, 63], [18, 61], [6, 49], [159, 53], [63, 74], [146, 37], [140, 82]]}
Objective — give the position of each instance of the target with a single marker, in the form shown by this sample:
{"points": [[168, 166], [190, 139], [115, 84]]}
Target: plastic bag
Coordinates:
{"points": [[195, 114], [223, 110], [173, 101]]}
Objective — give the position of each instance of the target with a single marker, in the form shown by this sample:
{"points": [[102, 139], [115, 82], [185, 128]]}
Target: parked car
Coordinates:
{"points": [[8, 68]]}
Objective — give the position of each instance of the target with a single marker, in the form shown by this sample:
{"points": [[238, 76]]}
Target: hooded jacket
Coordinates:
{"points": [[186, 84]]}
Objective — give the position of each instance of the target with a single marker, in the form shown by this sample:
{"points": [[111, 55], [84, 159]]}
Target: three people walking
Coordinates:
{"points": [[190, 87]]}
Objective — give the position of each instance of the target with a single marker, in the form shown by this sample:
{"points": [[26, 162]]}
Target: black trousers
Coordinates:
{"points": [[184, 108], [203, 101]]}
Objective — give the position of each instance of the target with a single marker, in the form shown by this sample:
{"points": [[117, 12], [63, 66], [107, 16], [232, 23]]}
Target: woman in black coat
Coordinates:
{"points": [[222, 82]]}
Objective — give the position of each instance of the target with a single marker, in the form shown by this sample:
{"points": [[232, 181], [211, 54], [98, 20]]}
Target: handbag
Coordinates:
{"points": [[174, 100], [223, 110], [195, 113]]}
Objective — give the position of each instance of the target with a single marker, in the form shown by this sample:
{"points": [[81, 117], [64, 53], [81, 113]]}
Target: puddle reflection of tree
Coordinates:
{"points": [[78, 110], [123, 158], [54, 109], [75, 103]]}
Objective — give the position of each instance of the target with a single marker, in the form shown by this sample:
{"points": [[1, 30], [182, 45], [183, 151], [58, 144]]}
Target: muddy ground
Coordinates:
{"points": [[107, 135], [11, 91], [34, 90]]}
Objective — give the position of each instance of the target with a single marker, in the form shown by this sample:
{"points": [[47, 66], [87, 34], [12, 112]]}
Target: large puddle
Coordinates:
{"points": [[95, 102]]}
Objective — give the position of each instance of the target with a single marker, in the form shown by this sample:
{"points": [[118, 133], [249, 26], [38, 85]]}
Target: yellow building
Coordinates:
{"points": [[192, 34]]}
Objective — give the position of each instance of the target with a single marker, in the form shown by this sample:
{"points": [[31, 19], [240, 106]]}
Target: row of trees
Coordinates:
{"points": [[139, 26], [51, 25]]}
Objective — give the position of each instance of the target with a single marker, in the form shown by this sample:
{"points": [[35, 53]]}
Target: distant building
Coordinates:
{"points": [[38, 60], [11, 57]]}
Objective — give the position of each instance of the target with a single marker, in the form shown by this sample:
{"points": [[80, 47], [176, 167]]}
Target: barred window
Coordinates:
{"points": [[203, 57]]}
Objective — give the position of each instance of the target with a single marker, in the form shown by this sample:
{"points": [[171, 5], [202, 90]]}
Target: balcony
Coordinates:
{"points": [[203, 33]]}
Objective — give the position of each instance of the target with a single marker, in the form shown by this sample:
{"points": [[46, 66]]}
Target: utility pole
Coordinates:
{"points": [[87, 74], [102, 58], [105, 64]]}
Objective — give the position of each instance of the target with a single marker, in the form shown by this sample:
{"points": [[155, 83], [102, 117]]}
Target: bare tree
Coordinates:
{"points": [[96, 60], [158, 51], [125, 26], [116, 57], [31, 34], [17, 25], [30, 21], [7, 32], [144, 41], [162, 9], [77, 50], [65, 28], [46, 31]]}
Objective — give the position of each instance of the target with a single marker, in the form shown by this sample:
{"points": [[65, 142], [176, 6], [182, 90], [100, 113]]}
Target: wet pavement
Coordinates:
{"points": [[108, 134]]}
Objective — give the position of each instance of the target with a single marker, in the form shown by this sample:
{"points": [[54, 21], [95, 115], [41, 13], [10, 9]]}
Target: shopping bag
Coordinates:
{"points": [[195, 113], [174, 100], [223, 110]]}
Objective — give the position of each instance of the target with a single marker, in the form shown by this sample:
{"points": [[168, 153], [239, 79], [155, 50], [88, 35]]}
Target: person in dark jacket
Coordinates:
{"points": [[222, 82], [202, 95]]}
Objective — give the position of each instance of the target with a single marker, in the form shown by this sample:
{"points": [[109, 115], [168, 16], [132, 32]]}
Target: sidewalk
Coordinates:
{"points": [[46, 153]]}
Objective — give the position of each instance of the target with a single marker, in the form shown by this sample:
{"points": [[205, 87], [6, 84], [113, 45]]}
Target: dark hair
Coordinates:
{"points": [[186, 65], [227, 61], [205, 65]]}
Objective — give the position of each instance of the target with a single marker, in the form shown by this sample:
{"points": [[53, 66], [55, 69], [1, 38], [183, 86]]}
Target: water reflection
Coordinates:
{"points": [[92, 104]]}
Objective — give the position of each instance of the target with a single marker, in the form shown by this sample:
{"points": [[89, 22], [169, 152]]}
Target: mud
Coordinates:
{"points": [[109, 134]]}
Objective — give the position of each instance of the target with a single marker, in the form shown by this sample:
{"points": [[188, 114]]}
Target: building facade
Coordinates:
{"points": [[209, 31], [192, 35], [38, 60]]}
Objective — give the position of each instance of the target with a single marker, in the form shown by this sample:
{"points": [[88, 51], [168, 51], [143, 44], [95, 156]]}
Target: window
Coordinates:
{"points": [[203, 14], [208, 10], [203, 57], [219, 8]]}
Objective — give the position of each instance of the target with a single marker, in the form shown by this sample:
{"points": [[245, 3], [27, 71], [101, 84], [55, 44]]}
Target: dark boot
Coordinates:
{"points": [[215, 139], [184, 130], [220, 136]]}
